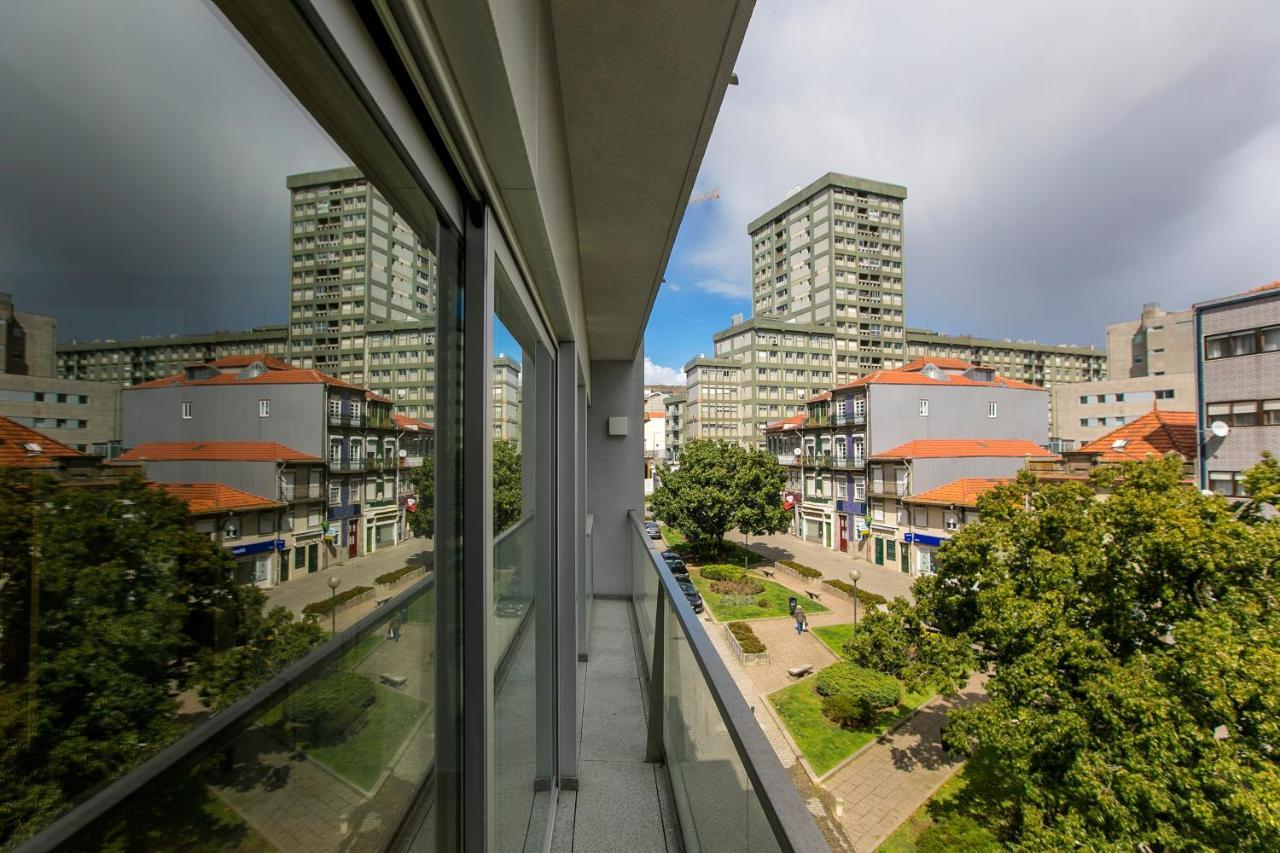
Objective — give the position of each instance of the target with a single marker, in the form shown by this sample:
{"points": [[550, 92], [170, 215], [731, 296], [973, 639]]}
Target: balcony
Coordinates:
{"points": [[850, 419], [816, 460], [347, 420], [346, 466], [730, 790], [888, 487], [789, 459], [849, 463], [306, 492]]}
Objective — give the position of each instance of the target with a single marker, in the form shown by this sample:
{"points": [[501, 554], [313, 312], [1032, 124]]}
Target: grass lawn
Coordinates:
{"points": [[824, 743], [903, 839], [835, 636], [422, 610], [364, 754], [352, 656], [671, 536], [730, 552], [776, 593]]}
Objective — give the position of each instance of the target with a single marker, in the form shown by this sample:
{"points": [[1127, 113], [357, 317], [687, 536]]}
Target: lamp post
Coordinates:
{"points": [[334, 581], [855, 576]]}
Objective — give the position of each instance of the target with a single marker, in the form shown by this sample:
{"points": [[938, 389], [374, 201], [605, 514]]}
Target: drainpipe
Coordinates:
{"points": [[1202, 444]]}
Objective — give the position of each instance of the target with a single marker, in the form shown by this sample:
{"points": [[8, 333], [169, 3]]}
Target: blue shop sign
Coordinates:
{"points": [[923, 539], [258, 548]]}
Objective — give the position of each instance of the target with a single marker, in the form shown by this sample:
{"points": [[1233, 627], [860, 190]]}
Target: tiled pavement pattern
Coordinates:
{"points": [[885, 580]]}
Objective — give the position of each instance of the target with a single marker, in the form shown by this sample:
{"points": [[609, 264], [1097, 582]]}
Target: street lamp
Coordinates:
{"points": [[855, 576], [334, 581]]}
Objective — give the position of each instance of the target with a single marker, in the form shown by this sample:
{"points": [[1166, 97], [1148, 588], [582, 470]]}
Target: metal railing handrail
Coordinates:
{"points": [[214, 733], [792, 823]]}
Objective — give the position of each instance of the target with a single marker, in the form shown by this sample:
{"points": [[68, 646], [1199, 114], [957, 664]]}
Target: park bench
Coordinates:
{"points": [[767, 572], [392, 680], [815, 596], [800, 671]]}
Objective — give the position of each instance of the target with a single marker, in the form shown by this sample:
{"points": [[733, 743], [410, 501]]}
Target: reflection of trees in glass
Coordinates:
{"points": [[109, 605], [507, 502], [422, 521]]}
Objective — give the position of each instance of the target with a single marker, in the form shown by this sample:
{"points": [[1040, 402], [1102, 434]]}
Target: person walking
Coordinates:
{"points": [[802, 620]]}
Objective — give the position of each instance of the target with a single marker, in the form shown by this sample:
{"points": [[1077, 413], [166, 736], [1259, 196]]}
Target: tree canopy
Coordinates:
{"points": [[1134, 643], [507, 496], [718, 486]]}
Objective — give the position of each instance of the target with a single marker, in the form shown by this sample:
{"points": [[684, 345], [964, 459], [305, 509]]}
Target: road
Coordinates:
{"points": [[297, 593]]}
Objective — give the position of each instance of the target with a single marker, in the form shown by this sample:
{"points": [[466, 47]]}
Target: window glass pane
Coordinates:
{"points": [[1270, 338], [1216, 347], [1244, 414], [1244, 343], [1271, 412]]}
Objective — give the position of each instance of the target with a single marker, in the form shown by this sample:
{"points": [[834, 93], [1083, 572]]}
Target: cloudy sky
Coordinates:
{"points": [[1066, 162]]}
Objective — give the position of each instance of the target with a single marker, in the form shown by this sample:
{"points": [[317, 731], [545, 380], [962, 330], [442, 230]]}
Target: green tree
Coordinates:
{"points": [[508, 503], [422, 521], [718, 486], [1135, 643], [898, 643], [271, 642], [108, 600]]}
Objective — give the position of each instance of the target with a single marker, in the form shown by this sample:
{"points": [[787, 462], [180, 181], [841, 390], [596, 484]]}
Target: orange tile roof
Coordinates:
{"points": [[271, 362], [818, 398], [963, 492], [291, 376], [944, 448], [1154, 434], [652, 416], [792, 422], [214, 451], [914, 377], [371, 395], [406, 422], [14, 453], [203, 498], [940, 363], [1272, 286]]}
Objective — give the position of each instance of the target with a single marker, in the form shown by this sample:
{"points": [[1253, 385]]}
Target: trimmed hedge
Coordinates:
{"points": [[870, 599], [324, 606], [392, 577], [327, 707], [738, 587], [722, 572], [853, 695], [746, 637], [801, 569]]}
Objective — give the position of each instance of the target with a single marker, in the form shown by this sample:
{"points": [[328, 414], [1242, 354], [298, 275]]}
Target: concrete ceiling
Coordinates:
{"points": [[641, 85]]}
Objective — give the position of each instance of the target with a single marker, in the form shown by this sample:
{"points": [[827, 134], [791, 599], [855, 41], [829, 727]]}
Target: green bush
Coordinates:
{"points": [[764, 602], [747, 639], [801, 569], [392, 577], [721, 572], [738, 587], [327, 707], [325, 605], [870, 599], [957, 832], [730, 601], [851, 680], [848, 711]]}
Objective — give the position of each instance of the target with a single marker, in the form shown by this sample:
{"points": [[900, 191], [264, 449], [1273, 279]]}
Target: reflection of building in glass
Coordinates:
{"points": [[506, 399]]}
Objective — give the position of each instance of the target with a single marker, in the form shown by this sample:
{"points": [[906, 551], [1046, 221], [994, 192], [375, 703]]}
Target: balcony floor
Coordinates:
{"points": [[621, 803]]}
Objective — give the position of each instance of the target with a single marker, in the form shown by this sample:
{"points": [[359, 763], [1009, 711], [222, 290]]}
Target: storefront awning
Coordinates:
{"points": [[923, 539]]}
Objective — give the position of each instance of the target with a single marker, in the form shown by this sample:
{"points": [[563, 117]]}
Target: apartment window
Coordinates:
{"points": [[1164, 393], [1238, 343], [951, 521], [264, 408], [186, 411], [1241, 414], [335, 492], [877, 511], [1228, 483], [1271, 412], [991, 409], [355, 408], [859, 490], [335, 407], [266, 523], [1269, 338], [231, 530], [924, 408], [921, 516]]}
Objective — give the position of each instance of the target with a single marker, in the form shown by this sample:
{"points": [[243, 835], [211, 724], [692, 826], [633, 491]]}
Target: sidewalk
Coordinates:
{"points": [[889, 582], [297, 593]]}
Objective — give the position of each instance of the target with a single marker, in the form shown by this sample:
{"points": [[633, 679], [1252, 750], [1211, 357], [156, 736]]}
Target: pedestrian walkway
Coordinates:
{"points": [[298, 592], [834, 565], [891, 778]]}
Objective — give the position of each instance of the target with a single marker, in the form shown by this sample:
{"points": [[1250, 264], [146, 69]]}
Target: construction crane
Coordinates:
{"points": [[699, 198]]}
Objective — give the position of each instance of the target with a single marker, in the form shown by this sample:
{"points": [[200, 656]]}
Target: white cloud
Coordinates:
{"points": [[720, 287], [1050, 161], [656, 374]]}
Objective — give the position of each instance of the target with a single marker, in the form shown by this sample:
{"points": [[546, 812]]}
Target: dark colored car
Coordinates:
{"points": [[669, 556], [691, 592], [651, 527]]}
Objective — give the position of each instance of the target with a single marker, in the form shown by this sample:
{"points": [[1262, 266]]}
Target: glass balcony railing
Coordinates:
{"points": [[330, 754], [731, 792]]}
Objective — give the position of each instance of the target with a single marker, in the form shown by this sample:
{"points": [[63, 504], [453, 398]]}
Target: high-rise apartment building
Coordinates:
{"points": [[137, 360], [506, 399], [1158, 343], [676, 424], [830, 254], [361, 289], [26, 341], [1035, 363], [782, 364], [713, 388]]}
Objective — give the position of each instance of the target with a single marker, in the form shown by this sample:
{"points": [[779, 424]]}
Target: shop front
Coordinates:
{"points": [[256, 562]]}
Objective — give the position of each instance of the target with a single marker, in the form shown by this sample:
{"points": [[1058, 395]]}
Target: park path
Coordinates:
{"points": [[893, 776]]}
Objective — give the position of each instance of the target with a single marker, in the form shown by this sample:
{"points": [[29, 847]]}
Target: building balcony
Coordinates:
{"points": [[850, 419], [308, 492], [888, 487], [346, 466], [346, 420], [851, 507], [849, 463], [789, 459], [816, 460]]}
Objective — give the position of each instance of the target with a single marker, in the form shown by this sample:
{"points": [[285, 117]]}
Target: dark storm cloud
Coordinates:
{"points": [[145, 151], [1066, 162]]}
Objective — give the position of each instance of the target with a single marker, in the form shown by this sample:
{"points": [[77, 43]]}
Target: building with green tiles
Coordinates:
{"points": [[362, 289], [782, 364], [830, 254]]}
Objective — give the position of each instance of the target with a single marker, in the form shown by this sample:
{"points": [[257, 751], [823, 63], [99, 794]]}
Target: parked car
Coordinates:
{"points": [[669, 556], [691, 592], [510, 605], [651, 527]]}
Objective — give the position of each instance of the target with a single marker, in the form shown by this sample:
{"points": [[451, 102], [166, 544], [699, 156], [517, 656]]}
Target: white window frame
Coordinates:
{"points": [[951, 520], [992, 409], [186, 410], [264, 408], [924, 408]]}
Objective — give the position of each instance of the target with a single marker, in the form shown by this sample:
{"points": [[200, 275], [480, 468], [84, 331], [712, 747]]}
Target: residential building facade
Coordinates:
{"points": [[27, 341], [246, 525], [675, 425], [82, 415], [831, 254], [713, 394], [782, 363], [506, 399], [1238, 374], [137, 360], [1043, 365], [1157, 343]]}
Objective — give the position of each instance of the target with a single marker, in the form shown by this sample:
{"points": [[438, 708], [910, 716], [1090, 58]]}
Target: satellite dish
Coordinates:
{"points": [[1220, 429], [404, 454]]}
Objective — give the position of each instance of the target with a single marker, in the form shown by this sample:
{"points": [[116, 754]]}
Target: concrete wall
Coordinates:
{"points": [[228, 413], [257, 478], [1238, 379], [961, 412], [615, 469], [1068, 411], [1158, 342], [929, 474], [100, 414]]}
